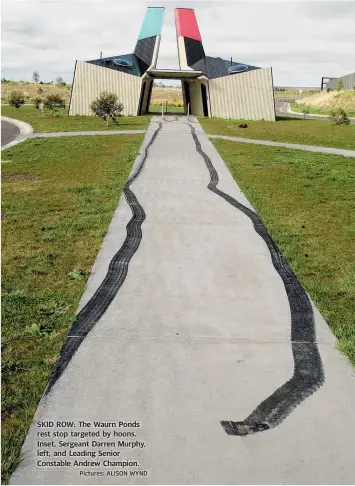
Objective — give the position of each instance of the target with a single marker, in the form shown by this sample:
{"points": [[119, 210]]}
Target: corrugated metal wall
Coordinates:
{"points": [[247, 96], [196, 107], [91, 80], [348, 81]]}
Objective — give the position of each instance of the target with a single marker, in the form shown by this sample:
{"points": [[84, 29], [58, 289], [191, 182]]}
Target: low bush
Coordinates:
{"points": [[54, 102], [338, 117], [107, 106], [36, 102], [16, 99]]}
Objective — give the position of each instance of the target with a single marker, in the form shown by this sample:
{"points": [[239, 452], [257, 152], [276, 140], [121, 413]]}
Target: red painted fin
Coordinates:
{"points": [[186, 24]]}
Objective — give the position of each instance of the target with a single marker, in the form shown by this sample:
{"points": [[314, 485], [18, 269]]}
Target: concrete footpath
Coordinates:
{"points": [[195, 338], [297, 146]]}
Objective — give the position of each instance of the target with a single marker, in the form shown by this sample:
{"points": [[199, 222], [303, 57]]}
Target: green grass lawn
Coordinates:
{"points": [[309, 132], [307, 201], [299, 107], [46, 122], [171, 109], [58, 197]]}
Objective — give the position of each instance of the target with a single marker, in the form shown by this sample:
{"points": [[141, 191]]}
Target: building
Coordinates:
{"points": [[348, 82], [212, 86]]}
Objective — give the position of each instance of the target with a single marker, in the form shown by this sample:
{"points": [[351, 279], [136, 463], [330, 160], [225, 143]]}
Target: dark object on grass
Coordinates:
{"points": [[243, 125]]}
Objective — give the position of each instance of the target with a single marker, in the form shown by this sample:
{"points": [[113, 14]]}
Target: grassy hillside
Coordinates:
{"points": [[292, 93], [167, 94], [324, 102], [34, 90], [160, 94]]}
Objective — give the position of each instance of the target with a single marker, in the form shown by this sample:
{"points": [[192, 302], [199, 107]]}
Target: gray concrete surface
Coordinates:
{"points": [[282, 108], [92, 132], [309, 148], [198, 333], [8, 132], [19, 132]]}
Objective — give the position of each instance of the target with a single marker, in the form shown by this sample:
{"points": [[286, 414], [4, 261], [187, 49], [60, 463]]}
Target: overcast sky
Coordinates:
{"points": [[301, 40]]}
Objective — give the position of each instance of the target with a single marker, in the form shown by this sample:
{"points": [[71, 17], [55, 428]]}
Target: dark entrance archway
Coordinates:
{"points": [[204, 99]]}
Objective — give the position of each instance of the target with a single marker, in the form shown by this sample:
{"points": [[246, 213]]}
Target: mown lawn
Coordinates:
{"points": [[307, 201], [309, 132], [46, 122], [58, 197]]}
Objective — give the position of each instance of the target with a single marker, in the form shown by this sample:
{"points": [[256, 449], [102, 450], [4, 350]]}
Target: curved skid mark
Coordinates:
{"points": [[116, 275], [175, 118], [308, 373]]}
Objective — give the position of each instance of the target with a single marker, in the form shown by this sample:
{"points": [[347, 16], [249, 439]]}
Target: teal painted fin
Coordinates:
{"points": [[152, 23]]}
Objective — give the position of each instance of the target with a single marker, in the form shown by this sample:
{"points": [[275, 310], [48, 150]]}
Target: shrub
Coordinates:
{"points": [[16, 99], [36, 102], [340, 86], [54, 102], [338, 117], [40, 90], [107, 106]]}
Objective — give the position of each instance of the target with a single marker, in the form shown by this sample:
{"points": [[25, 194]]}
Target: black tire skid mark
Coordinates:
{"points": [[308, 373], [175, 118], [115, 277]]}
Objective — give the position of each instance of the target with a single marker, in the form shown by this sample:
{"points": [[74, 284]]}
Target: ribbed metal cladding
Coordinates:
{"points": [[91, 80], [243, 96], [348, 82]]}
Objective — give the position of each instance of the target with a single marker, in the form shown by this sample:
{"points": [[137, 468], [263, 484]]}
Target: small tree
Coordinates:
{"points": [[54, 102], [107, 106], [340, 86], [16, 99], [338, 117], [35, 76], [60, 80], [36, 102]]}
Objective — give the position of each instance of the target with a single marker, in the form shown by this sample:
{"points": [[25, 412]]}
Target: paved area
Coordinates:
{"points": [[16, 131], [194, 326], [92, 132], [8, 132], [309, 148], [283, 108]]}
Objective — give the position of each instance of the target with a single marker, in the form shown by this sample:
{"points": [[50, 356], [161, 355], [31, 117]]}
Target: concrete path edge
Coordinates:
{"points": [[310, 148], [288, 110], [26, 131]]}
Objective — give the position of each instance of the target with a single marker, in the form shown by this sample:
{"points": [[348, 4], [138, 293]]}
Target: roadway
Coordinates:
{"points": [[8, 132]]}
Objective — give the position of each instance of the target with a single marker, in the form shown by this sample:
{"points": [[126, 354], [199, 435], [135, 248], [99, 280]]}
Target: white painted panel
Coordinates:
{"points": [[246, 96], [90, 80]]}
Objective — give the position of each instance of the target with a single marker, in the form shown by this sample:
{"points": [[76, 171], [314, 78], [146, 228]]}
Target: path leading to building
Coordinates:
{"points": [[194, 327], [14, 137], [92, 132]]}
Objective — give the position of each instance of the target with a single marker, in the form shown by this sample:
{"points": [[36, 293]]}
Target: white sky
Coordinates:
{"points": [[301, 40]]}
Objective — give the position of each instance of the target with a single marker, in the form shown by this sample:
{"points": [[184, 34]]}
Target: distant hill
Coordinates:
{"points": [[297, 88], [33, 90]]}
